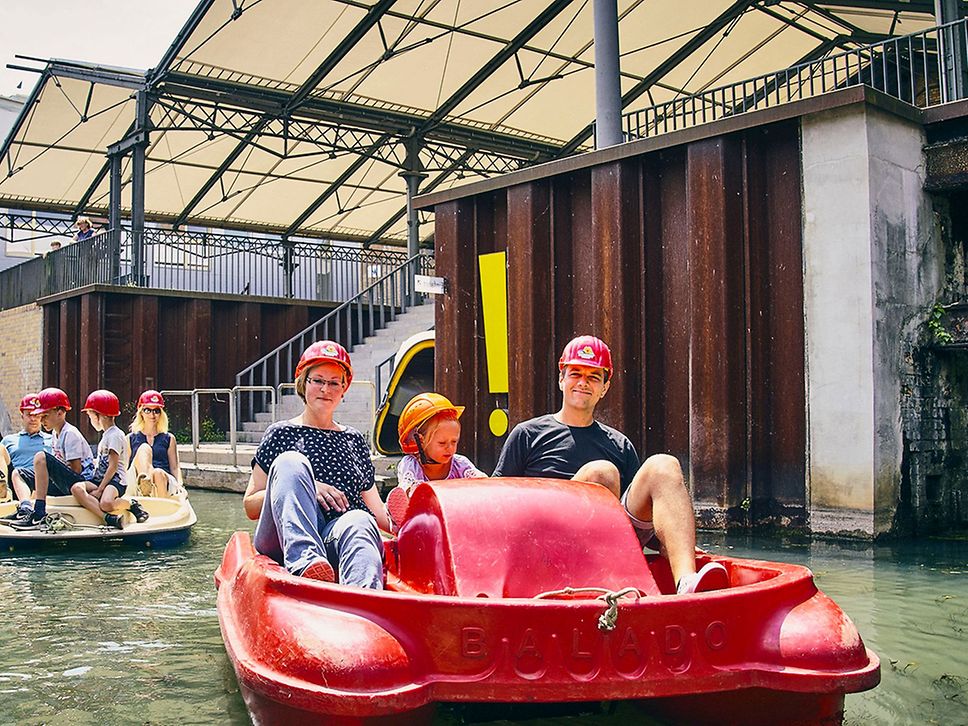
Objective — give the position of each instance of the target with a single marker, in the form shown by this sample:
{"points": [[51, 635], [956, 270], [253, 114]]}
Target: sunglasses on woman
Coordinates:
{"points": [[155, 411]]}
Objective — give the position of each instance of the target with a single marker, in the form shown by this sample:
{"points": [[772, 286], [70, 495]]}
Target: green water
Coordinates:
{"points": [[123, 636]]}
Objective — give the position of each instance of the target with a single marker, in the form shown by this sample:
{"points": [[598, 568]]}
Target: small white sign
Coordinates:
{"points": [[429, 284]]}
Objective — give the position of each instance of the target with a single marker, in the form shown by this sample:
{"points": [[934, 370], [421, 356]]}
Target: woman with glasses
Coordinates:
{"points": [[313, 488], [154, 452]]}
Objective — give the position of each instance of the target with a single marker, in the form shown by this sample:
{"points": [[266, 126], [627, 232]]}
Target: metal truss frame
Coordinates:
{"points": [[307, 121]]}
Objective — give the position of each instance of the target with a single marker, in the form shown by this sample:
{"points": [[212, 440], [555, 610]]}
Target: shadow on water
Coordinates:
{"points": [[127, 636]]}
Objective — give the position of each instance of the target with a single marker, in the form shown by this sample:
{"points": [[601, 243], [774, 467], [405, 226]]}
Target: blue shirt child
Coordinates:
{"points": [[23, 446]]}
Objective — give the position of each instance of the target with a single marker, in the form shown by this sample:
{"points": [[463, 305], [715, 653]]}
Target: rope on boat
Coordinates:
{"points": [[55, 522], [608, 619]]}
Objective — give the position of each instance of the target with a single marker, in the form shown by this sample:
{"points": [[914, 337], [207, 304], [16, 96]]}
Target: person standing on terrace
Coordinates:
{"points": [[84, 229]]}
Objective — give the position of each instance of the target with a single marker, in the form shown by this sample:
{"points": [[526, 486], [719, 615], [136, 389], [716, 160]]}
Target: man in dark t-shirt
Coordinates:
{"points": [[571, 444]]}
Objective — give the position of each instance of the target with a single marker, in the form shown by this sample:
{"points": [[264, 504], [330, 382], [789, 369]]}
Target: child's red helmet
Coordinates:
{"points": [[102, 402], [30, 403], [151, 398], [325, 351], [587, 350], [51, 398]]}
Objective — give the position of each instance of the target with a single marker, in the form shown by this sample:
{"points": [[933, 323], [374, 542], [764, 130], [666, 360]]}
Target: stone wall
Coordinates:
{"points": [[934, 395], [21, 359]]}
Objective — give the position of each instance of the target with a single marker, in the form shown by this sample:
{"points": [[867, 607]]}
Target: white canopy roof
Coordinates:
{"points": [[295, 117]]}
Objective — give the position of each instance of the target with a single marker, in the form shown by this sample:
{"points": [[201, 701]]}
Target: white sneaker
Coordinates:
{"points": [[711, 576]]}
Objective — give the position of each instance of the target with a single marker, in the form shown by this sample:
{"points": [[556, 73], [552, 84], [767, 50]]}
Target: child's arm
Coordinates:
{"points": [[75, 465]]}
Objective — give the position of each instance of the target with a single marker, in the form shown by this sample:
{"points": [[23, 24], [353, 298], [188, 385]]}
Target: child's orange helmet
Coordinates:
{"points": [[325, 351], [102, 402], [421, 408], [51, 398], [587, 350]]}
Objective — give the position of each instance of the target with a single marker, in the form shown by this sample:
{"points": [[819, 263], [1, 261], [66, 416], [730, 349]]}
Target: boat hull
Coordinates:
{"points": [[482, 633], [169, 525]]}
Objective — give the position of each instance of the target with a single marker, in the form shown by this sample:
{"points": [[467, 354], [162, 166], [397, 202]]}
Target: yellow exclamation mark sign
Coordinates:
{"points": [[494, 303]]}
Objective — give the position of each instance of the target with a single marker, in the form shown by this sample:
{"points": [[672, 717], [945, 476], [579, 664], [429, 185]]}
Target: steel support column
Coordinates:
{"points": [[413, 176], [608, 88], [953, 50], [288, 265], [114, 215], [138, 192]]}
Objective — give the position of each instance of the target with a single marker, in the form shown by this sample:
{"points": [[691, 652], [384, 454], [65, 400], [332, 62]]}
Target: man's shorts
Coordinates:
{"points": [[62, 477], [645, 531]]}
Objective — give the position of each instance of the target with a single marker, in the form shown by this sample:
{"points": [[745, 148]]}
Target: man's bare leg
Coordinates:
{"points": [[601, 472], [658, 494]]}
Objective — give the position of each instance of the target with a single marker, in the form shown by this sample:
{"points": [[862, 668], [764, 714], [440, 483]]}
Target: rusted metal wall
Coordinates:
{"points": [[129, 342], [687, 262]]}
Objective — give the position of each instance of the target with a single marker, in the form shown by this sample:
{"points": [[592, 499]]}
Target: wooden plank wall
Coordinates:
{"points": [[687, 262], [130, 342]]}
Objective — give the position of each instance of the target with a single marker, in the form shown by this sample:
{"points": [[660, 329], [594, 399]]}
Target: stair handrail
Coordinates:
{"points": [[420, 262]]}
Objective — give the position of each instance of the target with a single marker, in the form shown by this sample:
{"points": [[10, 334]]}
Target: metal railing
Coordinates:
{"points": [[205, 262], [923, 69], [234, 397], [383, 372], [369, 311], [91, 261]]}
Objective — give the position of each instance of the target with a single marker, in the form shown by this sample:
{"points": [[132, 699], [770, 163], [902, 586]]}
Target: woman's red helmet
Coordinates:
{"points": [[102, 402], [587, 350], [151, 398], [51, 398], [325, 351]]}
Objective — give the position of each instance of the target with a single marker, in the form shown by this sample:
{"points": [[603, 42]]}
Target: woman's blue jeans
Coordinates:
{"points": [[293, 530]]}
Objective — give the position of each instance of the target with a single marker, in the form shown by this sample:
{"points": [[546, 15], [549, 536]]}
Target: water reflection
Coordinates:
{"points": [[118, 636], [910, 602]]}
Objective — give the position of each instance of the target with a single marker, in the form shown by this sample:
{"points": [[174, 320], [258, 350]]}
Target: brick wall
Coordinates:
{"points": [[21, 359]]}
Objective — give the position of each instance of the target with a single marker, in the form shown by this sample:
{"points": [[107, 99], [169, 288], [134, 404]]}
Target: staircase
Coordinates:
{"points": [[358, 408], [371, 326]]}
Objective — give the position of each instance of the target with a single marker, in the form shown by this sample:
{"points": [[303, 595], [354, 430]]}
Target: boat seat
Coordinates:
{"points": [[517, 537]]}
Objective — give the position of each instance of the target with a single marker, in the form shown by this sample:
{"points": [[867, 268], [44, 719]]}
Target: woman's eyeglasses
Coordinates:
{"points": [[154, 411], [323, 383]]}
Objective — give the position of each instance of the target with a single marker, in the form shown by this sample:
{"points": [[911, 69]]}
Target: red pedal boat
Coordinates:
{"points": [[534, 591]]}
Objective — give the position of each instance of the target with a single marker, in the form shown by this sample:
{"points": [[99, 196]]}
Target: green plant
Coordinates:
{"points": [[939, 333], [208, 431]]}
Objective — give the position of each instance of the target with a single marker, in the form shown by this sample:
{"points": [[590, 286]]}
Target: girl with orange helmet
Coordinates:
{"points": [[429, 430], [313, 487], [154, 451]]}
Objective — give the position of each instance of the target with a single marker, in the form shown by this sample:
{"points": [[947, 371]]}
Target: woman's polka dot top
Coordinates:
{"points": [[338, 458]]}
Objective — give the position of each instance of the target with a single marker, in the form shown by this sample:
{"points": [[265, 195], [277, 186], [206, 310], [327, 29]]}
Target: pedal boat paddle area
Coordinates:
{"points": [[170, 519], [481, 606]]}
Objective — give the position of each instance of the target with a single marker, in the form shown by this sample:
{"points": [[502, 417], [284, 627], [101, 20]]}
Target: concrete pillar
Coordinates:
{"points": [[872, 267]]}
